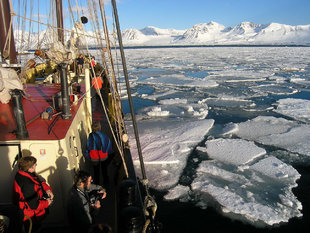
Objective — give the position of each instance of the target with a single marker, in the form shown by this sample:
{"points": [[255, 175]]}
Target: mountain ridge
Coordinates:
{"points": [[213, 33], [208, 34]]}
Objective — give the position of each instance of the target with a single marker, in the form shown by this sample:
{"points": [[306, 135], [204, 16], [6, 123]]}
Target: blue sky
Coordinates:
{"points": [[183, 14]]}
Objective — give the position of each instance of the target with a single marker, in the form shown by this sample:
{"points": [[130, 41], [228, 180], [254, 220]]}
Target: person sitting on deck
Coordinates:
{"points": [[31, 192], [99, 151], [83, 202]]}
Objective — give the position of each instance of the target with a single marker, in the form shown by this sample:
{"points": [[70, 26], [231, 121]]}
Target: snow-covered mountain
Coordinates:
{"points": [[203, 32], [153, 31], [212, 33], [150, 36]]}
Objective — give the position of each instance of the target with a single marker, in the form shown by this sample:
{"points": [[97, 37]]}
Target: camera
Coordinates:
{"points": [[94, 196]]}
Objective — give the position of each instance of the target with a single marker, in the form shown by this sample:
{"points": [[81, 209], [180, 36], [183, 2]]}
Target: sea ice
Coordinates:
{"points": [[260, 194], [173, 101], [156, 111], [241, 178], [178, 192], [298, 109], [279, 132], [234, 151], [166, 147]]}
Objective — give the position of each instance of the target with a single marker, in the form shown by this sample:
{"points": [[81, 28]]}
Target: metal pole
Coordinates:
{"points": [[60, 24], [21, 129], [5, 19], [119, 35], [66, 114]]}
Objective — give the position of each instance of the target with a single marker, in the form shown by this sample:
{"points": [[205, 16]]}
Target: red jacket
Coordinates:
{"points": [[29, 194]]}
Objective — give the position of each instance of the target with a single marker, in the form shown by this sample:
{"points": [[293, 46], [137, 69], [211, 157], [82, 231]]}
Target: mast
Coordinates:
{"points": [[62, 67], [60, 23], [7, 43]]}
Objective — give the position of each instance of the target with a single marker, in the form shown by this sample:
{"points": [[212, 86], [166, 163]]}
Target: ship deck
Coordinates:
{"points": [[37, 99], [42, 98]]}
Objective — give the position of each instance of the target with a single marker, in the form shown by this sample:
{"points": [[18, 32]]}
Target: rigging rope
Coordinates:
{"points": [[30, 13], [115, 95], [150, 205], [98, 37], [38, 47], [149, 201], [8, 36], [129, 92], [119, 147], [52, 26]]}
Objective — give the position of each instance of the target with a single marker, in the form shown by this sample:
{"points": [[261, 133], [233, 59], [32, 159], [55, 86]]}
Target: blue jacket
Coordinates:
{"points": [[99, 146]]}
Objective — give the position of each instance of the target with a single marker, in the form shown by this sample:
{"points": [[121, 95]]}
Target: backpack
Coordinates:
{"points": [[98, 147]]}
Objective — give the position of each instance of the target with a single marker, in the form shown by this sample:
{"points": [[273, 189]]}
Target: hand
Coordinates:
{"points": [[50, 201], [104, 193], [96, 205], [50, 194]]}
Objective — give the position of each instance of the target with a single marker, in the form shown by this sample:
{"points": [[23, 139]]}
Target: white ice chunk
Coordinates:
{"points": [[157, 112], [173, 101], [165, 148], [296, 108], [211, 168], [276, 169], [261, 195], [277, 132], [178, 192], [234, 151], [157, 95], [233, 204], [230, 128]]}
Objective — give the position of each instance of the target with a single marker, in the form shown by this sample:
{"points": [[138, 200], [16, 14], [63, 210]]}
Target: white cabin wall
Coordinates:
{"points": [[8, 153]]}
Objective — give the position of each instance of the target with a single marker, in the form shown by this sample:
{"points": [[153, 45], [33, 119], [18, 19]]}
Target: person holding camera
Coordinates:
{"points": [[84, 201], [31, 193]]}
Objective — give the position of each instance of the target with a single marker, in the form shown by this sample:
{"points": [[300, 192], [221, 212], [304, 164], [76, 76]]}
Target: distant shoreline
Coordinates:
{"points": [[197, 46], [192, 46]]}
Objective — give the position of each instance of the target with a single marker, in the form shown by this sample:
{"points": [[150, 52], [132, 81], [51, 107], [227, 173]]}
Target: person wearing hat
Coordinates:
{"points": [[32, 194]]}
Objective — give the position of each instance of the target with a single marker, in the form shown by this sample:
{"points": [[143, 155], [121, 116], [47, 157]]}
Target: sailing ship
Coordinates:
{"points": [[47, 107]]}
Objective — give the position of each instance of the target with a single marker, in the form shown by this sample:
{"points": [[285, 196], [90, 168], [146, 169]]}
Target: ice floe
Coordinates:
{"points": [[285, 134], [260, 193], [298, 109], [166, 147]]}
